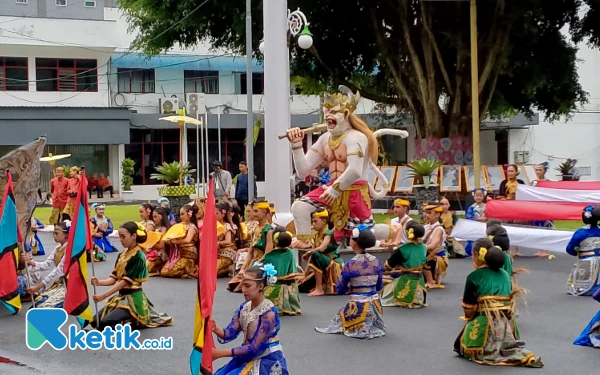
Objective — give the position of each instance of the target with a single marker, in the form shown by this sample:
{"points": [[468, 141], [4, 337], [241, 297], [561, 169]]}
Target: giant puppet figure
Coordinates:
{"points": [[24, 166], [351, 149]]}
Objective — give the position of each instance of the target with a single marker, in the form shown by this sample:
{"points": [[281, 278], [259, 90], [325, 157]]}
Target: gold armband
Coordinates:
{"points": [[359, 153], [336, 187], [297, 148], [317, 151]]}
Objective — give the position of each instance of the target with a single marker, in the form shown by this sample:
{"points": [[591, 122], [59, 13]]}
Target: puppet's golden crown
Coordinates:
{"points": [[346, 100]]}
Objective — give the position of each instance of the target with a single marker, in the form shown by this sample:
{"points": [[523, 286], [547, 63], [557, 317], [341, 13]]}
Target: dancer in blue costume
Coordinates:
{"points": [[257, 318], [102, 228], [362, 277], [33, 244], [591, 334], [585, 244]]}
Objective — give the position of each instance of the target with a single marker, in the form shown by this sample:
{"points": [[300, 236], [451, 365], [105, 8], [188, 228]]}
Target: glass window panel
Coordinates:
{"points": [[17, 79], [51, 63], [47, 80], [170, 135], [15, 61], [66, 63], [134, 152], [85, 63]]}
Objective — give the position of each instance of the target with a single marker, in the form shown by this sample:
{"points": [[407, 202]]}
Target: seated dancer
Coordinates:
{"points": [[257, 318], [448, 220], [158, 256], [284, 293], [103, 227], [251, 226], [226, 246], [401, 209], [584, 279], [183, 257], [164, 203], [131, 304], [491, 335], [408, 289], [147, 222], [262, 243], [362, 277], [435, 237], [53, 286], [476, 212], [33, 244], [591, 334], [324, 262]]}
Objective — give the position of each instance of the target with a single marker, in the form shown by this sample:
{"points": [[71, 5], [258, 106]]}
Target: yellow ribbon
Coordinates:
{"points": [[491, 237], [411, 233], [323, 214], [262, 205], [482, 252], [402, 202]]}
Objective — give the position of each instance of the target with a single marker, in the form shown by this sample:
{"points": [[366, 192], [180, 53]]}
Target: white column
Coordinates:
{"points": [[277, 105]]}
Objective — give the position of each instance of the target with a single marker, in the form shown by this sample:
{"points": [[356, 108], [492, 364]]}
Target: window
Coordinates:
{"points": [[22, 1], [136, 80], [13, 74], [61, 3], [201, 81], [90, 4], [258, 83], [66, 75], [150, 148]]}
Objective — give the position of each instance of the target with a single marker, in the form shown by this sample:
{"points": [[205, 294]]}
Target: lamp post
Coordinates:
{"points": [[475, 96], [279, 24]]}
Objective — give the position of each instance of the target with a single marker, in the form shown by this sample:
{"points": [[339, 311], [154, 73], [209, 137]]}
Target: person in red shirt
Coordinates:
{"points": [[93, 185], [104, 185], [73, 190], [59, 187]]}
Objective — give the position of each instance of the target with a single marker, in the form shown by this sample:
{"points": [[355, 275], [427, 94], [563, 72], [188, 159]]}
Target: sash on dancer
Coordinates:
{"points": [[10, 236]]}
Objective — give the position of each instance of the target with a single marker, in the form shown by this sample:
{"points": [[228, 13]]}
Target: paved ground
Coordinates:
{"points": [[417, 342]]}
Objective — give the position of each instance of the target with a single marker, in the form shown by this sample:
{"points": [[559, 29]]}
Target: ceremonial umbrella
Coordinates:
{"points": [[53, 158], [181, 119]]}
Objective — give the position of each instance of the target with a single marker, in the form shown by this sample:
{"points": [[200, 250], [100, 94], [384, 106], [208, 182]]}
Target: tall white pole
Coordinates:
{"points": [[201, 170], [197, 160], [249, 109], [277, 104], [206, 159]]}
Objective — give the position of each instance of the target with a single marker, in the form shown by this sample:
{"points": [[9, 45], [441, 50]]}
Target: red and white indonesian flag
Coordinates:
{"points": [[570, 185], [540, 194], [533, 211]]}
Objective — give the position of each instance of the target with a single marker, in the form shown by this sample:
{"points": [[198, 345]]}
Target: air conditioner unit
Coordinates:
{"points": [[168, 106], [521, 157], [195, 105]]}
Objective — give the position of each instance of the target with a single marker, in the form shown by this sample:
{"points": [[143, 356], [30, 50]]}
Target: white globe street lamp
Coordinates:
{"points": [[297, 26]]}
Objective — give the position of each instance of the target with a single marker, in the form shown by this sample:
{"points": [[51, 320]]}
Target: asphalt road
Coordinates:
{"points": [[416, 341]]}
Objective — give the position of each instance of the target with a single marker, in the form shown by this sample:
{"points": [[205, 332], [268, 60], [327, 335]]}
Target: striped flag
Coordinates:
{"points": [[201, 357], [10, 236], [77, 301]]}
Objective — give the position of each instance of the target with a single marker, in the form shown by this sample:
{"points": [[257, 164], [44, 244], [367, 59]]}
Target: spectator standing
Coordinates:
{"points": [[222, 181], [241, 186]]}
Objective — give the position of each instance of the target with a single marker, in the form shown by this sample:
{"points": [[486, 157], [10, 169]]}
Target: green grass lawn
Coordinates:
{"points": [[120, 214]]}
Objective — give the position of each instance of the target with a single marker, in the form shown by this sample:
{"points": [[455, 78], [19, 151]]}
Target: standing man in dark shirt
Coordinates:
{"points": [[241, 186]]}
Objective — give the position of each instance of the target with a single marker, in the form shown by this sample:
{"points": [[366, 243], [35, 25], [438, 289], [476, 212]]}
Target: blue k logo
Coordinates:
{"points": [[43, 325]]}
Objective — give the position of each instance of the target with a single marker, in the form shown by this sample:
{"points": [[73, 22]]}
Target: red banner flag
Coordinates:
{"points": [[201, 357], [10, 237], [77, 301], [533, 211], [570, 185]]}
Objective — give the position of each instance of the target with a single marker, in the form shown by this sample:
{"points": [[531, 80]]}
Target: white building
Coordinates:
{"points": [[70, 75], [578, 138]]}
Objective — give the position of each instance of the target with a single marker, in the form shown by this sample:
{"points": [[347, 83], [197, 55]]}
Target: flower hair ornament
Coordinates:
{"points": [[68, 224], [140, 232], [411, 233], [96, 206], [481, 190], [356, 231], [482, 253], [269, 272], [587, 212]]}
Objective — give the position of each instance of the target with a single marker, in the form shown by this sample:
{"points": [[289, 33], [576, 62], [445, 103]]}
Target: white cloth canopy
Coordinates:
{"points": [[540, 194], [534, 238]]}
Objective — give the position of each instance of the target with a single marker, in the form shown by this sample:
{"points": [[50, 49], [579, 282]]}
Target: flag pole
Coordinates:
{"points": [[94, 287], [22, 251]]}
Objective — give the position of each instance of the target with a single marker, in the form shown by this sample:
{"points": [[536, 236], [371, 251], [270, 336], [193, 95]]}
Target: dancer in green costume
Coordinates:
{"points": [[406, 262], [491, 336], [131, 304], [324, 262], [284, 293]]}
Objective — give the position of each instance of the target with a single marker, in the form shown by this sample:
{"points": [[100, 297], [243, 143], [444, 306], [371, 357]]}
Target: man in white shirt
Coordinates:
{"points": [[222, 180]]}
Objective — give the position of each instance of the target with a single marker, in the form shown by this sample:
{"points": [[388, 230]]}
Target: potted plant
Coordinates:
{"points": [[127, 170], [422, 171], [565, 171], [174, 174]]}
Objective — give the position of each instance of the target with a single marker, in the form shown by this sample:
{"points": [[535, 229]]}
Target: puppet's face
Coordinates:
{"points": [[337, 120]]}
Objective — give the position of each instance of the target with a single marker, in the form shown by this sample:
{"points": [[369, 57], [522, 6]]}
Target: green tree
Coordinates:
{"points": [[411, 54]]}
